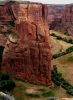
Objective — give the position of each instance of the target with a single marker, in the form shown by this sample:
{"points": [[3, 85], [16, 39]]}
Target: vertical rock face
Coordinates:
{"points": [[67, 18], [54, 12], [62, 20], [68, 14], [28, 56], [54, 16]]}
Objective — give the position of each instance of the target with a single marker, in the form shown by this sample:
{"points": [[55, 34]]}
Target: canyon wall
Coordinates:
{"points": [[67, 19], [54, 16], [27, 53], [61, 18], [54, 12]]}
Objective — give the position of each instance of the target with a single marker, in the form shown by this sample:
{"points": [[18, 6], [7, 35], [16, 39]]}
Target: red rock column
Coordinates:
{"points": [[30, 58]]}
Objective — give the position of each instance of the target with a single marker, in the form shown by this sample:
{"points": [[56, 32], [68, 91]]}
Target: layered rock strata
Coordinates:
{"points": [[27, 52]]}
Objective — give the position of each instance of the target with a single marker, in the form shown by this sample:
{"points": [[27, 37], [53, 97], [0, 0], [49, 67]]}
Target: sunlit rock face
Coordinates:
{"points": [[27, 54]]}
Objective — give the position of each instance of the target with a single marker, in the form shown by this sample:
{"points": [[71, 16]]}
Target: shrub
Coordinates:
{"points": [[60, 81], [52, 34], [65, 84], [70, 91], [59, 38], [4, 76], [56, 77], [7, 85], [70, 49]]}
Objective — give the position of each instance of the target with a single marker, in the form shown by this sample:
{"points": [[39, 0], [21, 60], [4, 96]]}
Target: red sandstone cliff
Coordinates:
{"points": [[63, 21], [67, 18], [54, 12], [27, 55]]}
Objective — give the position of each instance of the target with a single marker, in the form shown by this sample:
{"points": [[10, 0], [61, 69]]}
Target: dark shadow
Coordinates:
{"points": [[1, 54]]}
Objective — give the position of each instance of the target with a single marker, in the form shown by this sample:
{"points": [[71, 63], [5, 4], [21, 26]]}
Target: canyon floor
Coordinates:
{"points": [[27, 91]]}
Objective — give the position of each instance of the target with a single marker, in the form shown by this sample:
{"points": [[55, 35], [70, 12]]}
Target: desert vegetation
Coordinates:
{"points": [[60, 81], [6, 84], [69, 50], [61, 38]]}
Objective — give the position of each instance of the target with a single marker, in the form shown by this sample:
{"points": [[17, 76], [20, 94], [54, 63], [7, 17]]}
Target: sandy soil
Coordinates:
{"points": [[65, 66], [58, 45]]}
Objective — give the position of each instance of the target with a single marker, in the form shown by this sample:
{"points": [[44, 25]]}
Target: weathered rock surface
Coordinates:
{"points": [[28, 56], [61, 18], [54, 15], [67, 18]]}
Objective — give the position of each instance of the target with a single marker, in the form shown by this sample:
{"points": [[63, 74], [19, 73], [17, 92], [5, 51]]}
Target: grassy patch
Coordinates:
{"points": [[70, 58], [48, 94], [41, 93], [63, 70], [66, 58]]}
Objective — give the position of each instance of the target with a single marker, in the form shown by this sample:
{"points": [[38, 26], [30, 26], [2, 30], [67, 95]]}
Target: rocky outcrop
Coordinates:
{"points": [[27, 53]]}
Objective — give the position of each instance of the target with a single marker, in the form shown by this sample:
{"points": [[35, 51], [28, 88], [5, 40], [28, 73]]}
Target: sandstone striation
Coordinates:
{"points": [[27, 53]]}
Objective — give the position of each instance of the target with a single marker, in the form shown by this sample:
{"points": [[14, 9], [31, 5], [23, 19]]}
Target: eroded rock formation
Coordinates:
{"points": [[27, 53]]}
